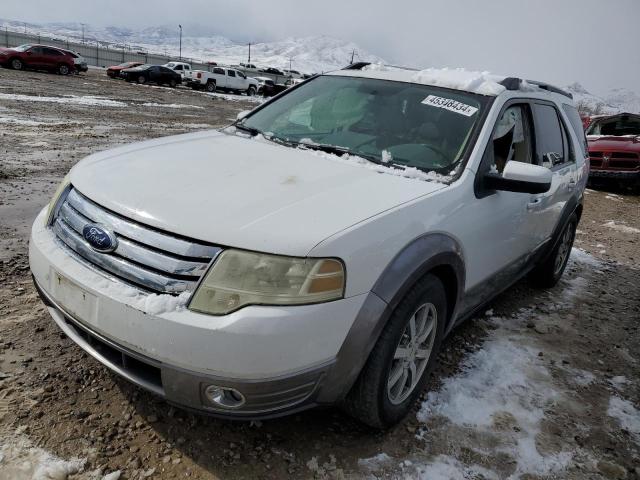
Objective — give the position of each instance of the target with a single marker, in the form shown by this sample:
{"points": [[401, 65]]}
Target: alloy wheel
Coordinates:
{"points": [[563, 250], [412, 353]]}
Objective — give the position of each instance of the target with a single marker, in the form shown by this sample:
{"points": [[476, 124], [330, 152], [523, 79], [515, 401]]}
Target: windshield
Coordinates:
{"points": [[22, 48], [616, 126], [384, 121]]}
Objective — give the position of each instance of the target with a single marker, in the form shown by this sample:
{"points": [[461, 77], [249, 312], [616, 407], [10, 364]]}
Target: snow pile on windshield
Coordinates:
{"points": [[460, 79], [397, 170]]}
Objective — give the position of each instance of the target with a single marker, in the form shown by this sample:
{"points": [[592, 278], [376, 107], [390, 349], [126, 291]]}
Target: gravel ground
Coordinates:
{"points": [[543, 385]]}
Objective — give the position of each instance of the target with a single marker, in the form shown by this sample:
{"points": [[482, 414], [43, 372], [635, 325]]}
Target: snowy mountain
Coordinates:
{"points": [[615, 101], [308, 54]]}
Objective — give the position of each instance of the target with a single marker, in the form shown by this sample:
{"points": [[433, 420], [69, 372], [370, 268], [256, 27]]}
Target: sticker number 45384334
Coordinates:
{"points": [[449, 104]]}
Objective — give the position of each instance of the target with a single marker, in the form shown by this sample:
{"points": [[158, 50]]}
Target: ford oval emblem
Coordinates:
{"points": [[100, 238]]}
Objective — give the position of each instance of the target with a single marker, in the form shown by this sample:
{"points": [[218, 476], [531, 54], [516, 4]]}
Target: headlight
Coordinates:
{"points": [[239, 278], [62, 188]]}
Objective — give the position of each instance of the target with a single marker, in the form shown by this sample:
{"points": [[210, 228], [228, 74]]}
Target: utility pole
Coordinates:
{"points": [[290, 58], [180, 41], [249, 60], [352, 55]]}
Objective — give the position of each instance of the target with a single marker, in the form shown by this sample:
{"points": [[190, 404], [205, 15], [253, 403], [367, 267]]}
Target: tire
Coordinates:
{"points": [[251, 91], [173, 83], [210, 87], [141, 79], [375, 399], [63, 69], [548, 273], [17, 64]]}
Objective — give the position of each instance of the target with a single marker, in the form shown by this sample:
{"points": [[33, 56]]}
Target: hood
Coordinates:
{"points": [[239, 192], [6, 50], [627, 143]]}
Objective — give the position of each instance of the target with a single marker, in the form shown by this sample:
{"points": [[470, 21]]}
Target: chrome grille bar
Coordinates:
{"points": [[138, 232], [144, 256]]}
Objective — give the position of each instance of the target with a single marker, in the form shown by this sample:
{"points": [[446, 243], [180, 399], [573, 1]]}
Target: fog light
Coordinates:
{"points": [[224, 397]]}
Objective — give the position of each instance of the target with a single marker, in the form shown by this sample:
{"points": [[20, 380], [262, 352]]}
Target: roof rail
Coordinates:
{"points": [[514, 83], [357, 66], [361, 65]]}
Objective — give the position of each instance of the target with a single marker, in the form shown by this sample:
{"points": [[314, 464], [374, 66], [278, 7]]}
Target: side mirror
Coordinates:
{"points": [[520, 177], [242, 114]]}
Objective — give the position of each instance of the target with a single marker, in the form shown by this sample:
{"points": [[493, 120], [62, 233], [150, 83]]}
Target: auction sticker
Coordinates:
{"points": [[449, 104]]}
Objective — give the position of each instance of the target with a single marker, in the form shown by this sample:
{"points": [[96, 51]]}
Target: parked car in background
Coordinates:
{"points": [[115, 70], [268, 88], [614, 148], [293, 73], [319, 250], [220, 78], [38, 57], [79, 60], [271, 70], [157, 74], [179, 67]]}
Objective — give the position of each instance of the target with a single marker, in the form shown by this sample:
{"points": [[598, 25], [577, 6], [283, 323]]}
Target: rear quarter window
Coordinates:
{"points": [[576, 124]]}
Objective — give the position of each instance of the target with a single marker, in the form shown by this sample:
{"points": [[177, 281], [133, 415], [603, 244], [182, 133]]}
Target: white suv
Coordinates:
{"points": [[320, 249]]}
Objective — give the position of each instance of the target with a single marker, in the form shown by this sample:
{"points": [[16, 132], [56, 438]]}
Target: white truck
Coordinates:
{"points": [[220, 78], [179, 67]]}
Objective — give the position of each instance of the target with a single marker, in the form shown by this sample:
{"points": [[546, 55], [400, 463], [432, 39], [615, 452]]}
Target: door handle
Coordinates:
{"points": [[571, 185], [534, 203]]}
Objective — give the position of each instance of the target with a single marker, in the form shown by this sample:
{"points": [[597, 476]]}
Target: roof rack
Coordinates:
{"points": [[514, 83]]}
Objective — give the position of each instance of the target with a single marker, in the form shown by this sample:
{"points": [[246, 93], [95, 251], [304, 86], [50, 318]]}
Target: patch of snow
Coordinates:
{"points": [[620, 227], [580, 256], [444, 467], [71, 99], [583, 377], [626, 414], [504, 381], [618, 381], [171, 105], [28, 123], [460, 79], [21, 460], [237, 98], [375, 462]]}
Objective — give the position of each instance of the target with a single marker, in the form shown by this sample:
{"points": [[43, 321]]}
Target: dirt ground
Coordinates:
{"points": [[557, 371]]}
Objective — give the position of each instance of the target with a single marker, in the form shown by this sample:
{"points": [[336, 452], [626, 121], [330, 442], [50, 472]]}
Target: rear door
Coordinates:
{"points": [[52, 58], [555, 152]]}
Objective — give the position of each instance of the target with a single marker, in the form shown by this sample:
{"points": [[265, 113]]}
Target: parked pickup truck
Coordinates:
{"points": [[221, 79]]}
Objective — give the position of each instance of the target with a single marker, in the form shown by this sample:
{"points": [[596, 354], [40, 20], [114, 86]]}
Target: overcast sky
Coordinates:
{"points": [[596, 42]]}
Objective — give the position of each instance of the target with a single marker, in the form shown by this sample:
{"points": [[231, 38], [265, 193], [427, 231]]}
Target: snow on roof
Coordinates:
{"points": [[482, 83]]}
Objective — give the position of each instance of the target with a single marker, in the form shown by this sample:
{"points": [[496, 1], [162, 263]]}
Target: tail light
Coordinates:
{"points": [[199, 75]]}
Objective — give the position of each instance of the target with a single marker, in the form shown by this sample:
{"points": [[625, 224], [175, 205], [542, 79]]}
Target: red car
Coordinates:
{"points": [[614, 148], [114, 71], [38, 57]]}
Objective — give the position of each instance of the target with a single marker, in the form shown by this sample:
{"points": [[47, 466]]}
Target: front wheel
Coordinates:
{"points": [[399, 364], [17, 64], [211, 87], [173, 83], [141, 79], [548, 273], [63, 69], [251, 91]]}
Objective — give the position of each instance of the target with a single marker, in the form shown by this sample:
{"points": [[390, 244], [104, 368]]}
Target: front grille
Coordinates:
{"points": [[614, 160], [596, 162], [595, 154], [145, 257]]}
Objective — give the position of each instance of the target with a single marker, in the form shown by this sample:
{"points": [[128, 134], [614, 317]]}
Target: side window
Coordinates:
{"points": [[512, 138], [35, 50], [178, 67], [50, 52], [576, 124], [551, 139], [218, 71], [231, 73], [241, 75]]}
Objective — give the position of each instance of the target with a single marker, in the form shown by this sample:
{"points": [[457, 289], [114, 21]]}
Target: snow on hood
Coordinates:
{"points": [[233, 191]]}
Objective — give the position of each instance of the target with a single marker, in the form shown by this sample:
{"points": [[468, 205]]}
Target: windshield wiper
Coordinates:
{"points": [[250, 130], [334, 149]]}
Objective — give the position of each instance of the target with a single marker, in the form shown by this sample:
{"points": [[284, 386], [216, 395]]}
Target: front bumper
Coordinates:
{"points": [[628, 176], [281, 359]]}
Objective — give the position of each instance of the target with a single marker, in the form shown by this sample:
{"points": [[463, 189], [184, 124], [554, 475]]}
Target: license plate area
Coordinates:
{"points": [[72, 298]]}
